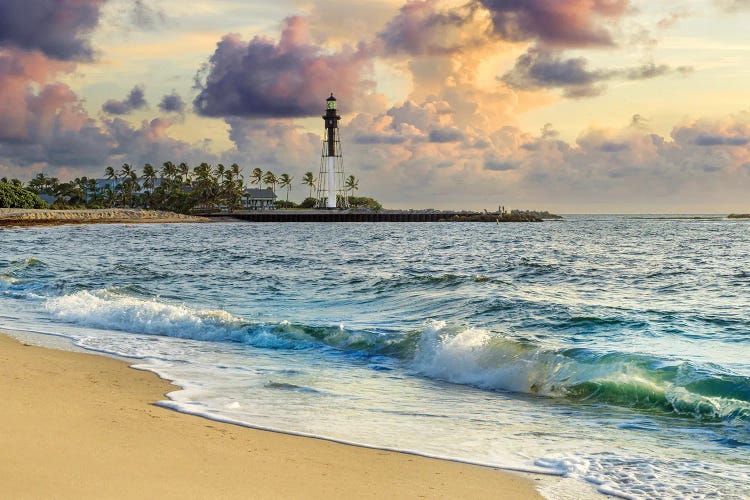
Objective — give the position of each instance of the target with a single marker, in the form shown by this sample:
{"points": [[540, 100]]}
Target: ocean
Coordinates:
{"points": [[612, 350]]}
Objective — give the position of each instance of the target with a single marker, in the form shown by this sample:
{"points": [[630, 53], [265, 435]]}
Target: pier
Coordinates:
{"points": [[362, 216]]}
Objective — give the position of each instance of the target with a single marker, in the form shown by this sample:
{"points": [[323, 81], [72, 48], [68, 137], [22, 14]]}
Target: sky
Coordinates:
{"points": [[572, 106]]}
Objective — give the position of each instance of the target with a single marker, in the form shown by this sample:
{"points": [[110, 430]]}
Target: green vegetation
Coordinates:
{"points": [[285, 181], [365, 202], [309, 180], [351, 184], [739, 216], [285, 204], [13, 195], [175, 188], [309, 202], [544, 215]]}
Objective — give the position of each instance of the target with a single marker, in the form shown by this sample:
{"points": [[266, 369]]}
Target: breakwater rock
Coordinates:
{"points": [[44, 217], [490, 217]]}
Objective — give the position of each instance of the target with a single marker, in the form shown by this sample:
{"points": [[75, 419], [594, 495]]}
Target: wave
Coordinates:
{"points": [[470, 356], [28, 262], [19, 267], [111, 309], [445, 281], [26, 279], [478, 358]]}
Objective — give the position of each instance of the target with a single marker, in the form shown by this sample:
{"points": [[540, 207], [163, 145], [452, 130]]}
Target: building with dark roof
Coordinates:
{"points": [[258, 199]]}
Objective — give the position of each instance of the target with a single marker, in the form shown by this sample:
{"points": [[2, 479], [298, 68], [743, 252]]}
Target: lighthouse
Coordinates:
{"points": [[331, 192]]}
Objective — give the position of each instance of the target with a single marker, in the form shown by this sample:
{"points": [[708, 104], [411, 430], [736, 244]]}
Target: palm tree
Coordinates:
{"points": [[126, 170], [237, 174], [129, 183], [352, 183], [170, 175], [285, 181], [82, 185], [233, 186], [309, 180], [206, 184], [236, 171], [257, 176], [221, 172], [109, 197], [93, 189], [111, 174], [66, 193], [168, 170], [133, 184], [270, 180], [184, 170], [149, 179], [39, 184]]}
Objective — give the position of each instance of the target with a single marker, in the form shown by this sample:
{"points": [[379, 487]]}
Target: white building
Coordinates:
{"points": [[258, 199]]}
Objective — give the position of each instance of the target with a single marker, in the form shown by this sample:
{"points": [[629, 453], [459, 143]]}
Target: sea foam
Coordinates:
{"points": [[107, 309], [474, 356], [469, 356]]}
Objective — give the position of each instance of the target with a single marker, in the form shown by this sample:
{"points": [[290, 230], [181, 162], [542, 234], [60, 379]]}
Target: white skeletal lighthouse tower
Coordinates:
{"points": [[331, 191]]}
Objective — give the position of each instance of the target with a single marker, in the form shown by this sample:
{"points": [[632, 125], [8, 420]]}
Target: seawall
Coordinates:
{"points": [[352, 216]]}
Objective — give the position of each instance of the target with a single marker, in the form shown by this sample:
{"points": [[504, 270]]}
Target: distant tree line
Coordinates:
{"points": [[173, 187]]}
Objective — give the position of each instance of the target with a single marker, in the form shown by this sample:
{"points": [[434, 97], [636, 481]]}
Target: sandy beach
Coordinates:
{"points": [[42, 217], [78, 425]]}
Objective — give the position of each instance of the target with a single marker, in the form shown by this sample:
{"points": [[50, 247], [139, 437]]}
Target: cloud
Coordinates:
{"points": [[59, 29], [172, 103], [421, 29], [379, 139], [733, 5], [443, 135], [720, 140], [561, 23], [497, 165], [135, 100], [625, 169], [46, 126], [273, 144], [290, 78], [723, 135], [43, 120], [150, 143], [673, 18], [639, 121], [146, 17], [539, 68], [651, 70]]}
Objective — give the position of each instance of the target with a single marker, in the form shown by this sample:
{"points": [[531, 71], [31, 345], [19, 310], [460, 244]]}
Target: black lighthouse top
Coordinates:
{"points": [[331, 117], [331, 102]]}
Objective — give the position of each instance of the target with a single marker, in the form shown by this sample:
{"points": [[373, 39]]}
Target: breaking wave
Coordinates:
{"points": [[469, 356]]}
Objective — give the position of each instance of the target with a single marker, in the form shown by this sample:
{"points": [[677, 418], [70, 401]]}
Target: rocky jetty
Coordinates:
{"points": [[495, 217], [44, 217]]}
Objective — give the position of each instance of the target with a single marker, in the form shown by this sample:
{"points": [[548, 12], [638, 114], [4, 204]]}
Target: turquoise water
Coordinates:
{"points": [[613, 350]]}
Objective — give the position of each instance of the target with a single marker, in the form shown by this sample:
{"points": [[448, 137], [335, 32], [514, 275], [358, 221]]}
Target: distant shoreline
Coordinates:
{"points": [[371, 216], [19, 217]]}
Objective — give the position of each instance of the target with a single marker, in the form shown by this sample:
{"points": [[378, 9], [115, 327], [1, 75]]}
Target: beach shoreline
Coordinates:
{"points": [[17, 217], [83, 425]]}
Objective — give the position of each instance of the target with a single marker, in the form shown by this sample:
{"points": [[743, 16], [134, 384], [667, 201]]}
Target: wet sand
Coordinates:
{"points": [[78, 425]]}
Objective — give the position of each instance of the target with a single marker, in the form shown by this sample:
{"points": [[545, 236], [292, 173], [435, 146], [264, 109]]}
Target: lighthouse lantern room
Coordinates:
{"points": [[331, 191]]}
